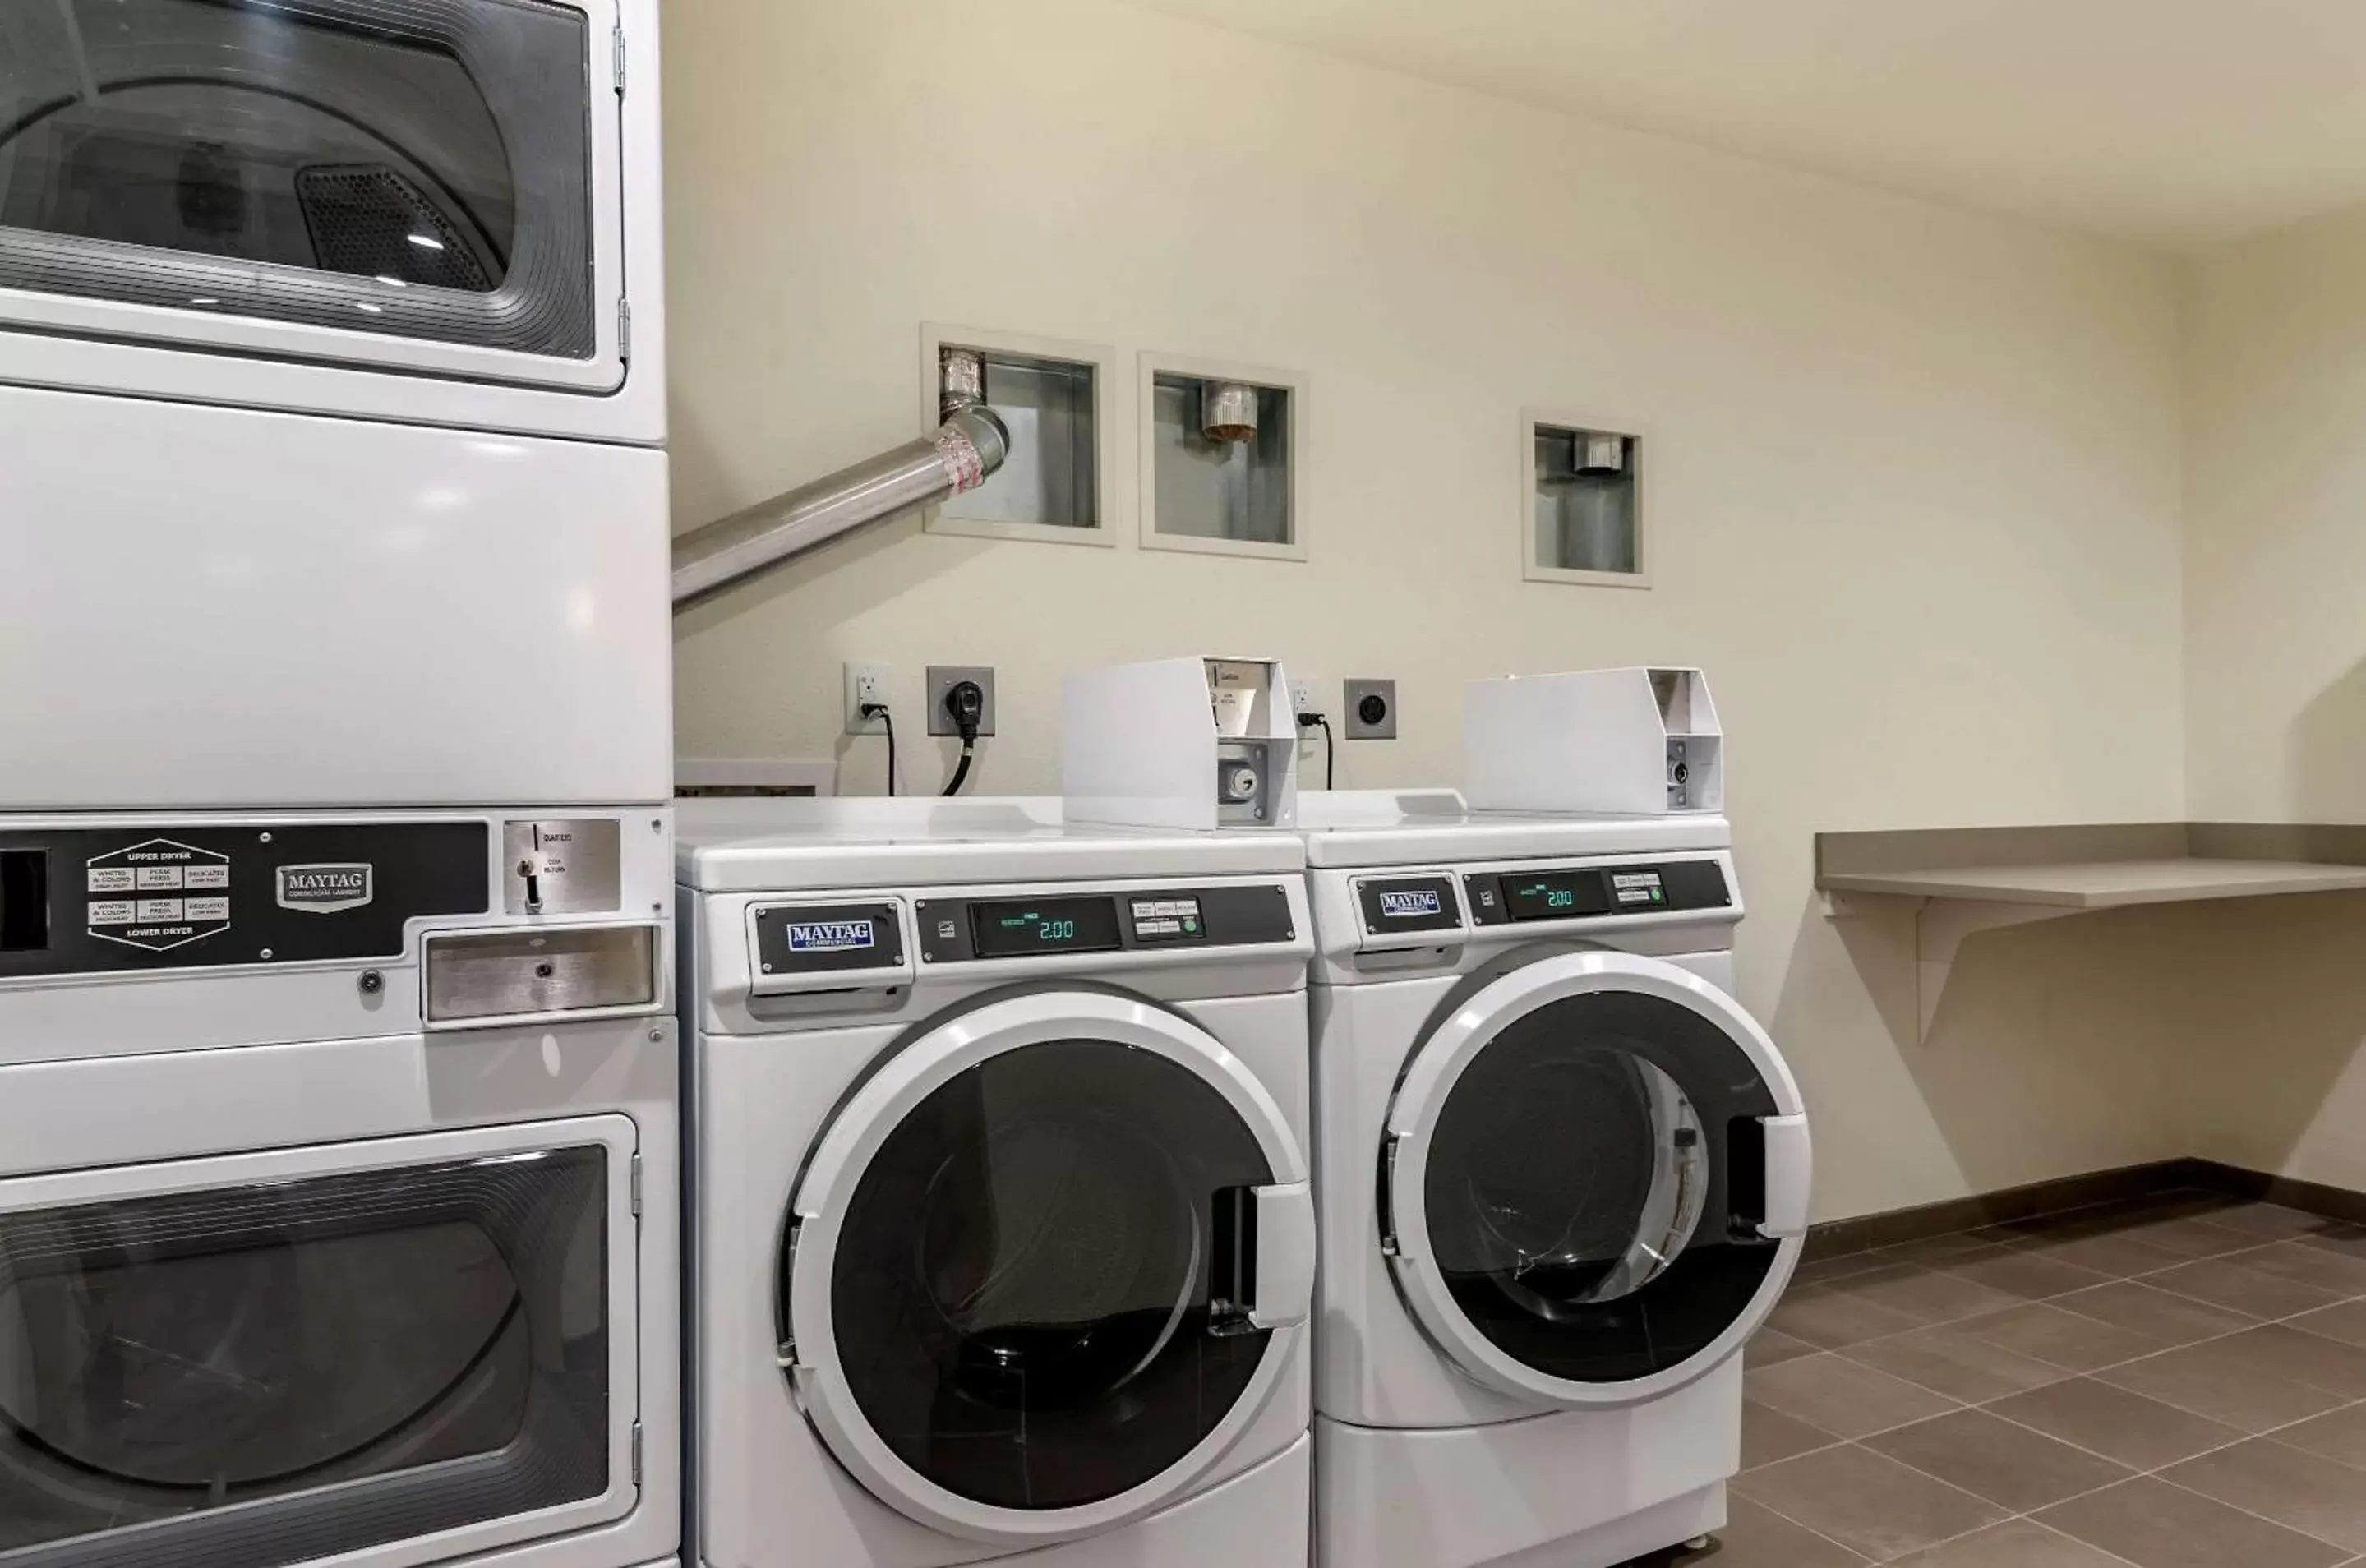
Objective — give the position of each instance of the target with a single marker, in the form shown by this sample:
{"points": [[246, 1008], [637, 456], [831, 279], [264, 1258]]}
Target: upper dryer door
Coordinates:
{"points": [[426, 187], [1597, 1179]]}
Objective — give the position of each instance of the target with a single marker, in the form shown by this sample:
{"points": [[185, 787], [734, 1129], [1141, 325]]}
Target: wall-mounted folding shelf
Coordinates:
{"points": [[1958, 882]]}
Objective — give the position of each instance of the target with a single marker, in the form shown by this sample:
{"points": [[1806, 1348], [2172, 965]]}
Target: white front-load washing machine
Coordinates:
{"points": [[1003, 1245], [1562, 1177]]}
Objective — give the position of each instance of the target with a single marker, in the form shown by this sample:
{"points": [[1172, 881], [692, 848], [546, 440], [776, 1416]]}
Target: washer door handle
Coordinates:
{"points": [[1285, 1254], [1790, 1175]]}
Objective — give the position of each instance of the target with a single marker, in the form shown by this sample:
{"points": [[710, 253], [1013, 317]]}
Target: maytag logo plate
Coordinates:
{"points": [[326, 889], [831, 936], [1411, 903]]}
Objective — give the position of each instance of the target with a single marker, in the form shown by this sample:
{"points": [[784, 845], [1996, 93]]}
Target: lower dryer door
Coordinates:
{"points": [[394, 1352], [1045, 1264], [1594, 1179]]}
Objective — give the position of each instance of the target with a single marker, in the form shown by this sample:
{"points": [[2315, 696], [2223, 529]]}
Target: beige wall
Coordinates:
{"points": [[2276, 679], [1914, 481]]}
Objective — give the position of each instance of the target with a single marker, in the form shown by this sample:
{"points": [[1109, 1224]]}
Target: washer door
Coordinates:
{"points": [[1044, 1265], [1595, 1179]]}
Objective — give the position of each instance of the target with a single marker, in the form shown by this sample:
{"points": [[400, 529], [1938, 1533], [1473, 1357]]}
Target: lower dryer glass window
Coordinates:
{"points": [[1581, 1201], [259, 1375], [1028, 1292]]}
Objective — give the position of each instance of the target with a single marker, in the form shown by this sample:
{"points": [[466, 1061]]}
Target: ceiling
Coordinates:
{"points": [[2172, 124]]}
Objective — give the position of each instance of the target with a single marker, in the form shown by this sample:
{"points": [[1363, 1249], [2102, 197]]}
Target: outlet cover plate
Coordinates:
{"points": [[943, 678], [1354, 724], [865, 683]]}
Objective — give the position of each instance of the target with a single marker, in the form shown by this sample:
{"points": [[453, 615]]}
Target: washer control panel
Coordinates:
{"points": [[1592, 892], [1168, 919], [957, 931]]}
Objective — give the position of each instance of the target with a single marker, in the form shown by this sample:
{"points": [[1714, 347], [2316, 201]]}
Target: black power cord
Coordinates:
{"points": [[965, 701], [1310, 720], [887, 722]]}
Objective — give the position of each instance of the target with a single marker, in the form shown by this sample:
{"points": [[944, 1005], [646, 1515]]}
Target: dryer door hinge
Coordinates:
{"points": [[636, 1453], [617, 54], [1388, 1188], [623, 329], [639, 1187]]}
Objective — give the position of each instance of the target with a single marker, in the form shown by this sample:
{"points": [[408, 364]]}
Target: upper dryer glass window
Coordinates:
{"points": [[421, 170]]}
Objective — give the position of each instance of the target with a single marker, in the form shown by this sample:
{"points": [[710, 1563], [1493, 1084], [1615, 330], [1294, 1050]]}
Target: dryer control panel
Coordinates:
{"points": [[99, 900]]}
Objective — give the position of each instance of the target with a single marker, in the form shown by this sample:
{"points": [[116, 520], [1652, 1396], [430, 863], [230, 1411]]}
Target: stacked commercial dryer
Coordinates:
{"points": [[1562, 1174], [337, 1074]]}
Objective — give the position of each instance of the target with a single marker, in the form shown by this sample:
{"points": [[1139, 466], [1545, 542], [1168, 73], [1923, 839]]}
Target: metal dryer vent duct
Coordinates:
{"points": [[1228, 411], [959, 456], [1601, 454]]}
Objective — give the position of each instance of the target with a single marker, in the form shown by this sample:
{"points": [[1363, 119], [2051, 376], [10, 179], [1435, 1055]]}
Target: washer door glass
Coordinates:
{"points": [[268, 1373], [1581, 1195], [419, 171], [1034, 1282]]}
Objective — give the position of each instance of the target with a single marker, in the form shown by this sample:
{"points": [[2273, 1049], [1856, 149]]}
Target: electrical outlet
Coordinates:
{"points": [[1306, 694], [943, 678], [864, 683], [1369, 710]]}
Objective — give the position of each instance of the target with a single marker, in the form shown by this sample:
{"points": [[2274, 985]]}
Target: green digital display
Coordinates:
{"points": [[1021, 928], [1553, 896]]}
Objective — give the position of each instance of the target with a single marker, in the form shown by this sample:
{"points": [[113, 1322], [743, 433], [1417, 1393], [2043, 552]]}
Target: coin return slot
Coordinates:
{"points": [[24, 900], [519, 973]]}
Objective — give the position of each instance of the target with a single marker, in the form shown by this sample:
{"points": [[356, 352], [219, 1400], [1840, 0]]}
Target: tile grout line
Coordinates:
{"points": [[1828, 1540], [2073, 1374], [2237, 1507], [2162, 1475], [2068, 1375], [2013, 1515], [2057, 1302], [2147, 1280]]}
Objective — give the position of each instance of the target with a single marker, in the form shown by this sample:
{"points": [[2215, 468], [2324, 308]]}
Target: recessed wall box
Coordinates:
{"points": [[1181, 743], [1222, 453], [1580, 520], [1051, 395], [1637, 741]]}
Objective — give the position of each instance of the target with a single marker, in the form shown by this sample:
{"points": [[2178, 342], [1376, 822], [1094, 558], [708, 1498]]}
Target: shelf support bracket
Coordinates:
{"points": [[1941, 928]]}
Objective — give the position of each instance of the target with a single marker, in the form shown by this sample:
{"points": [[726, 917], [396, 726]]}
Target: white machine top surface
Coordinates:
{"points": [[763, 846], [1384, 827]]}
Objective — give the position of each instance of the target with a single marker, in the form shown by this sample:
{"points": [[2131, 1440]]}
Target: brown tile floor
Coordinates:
{"points": [[2179, 1384]]}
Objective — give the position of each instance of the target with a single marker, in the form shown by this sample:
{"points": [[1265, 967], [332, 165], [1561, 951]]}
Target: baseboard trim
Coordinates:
{"points": [[1839, 1238], [2309, 1196]]}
